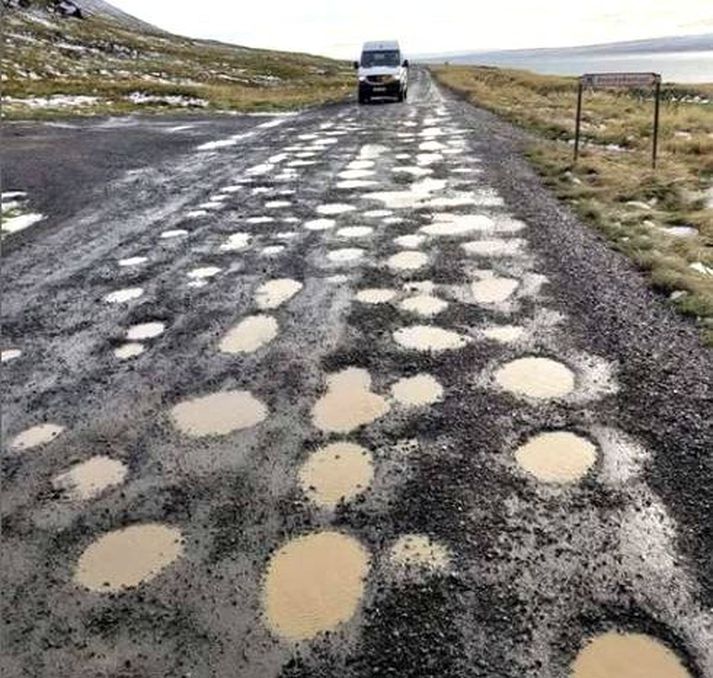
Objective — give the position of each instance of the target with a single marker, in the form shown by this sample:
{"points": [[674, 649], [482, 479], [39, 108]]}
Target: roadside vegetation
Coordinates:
{"points": [[663, 218], [53, 66]]}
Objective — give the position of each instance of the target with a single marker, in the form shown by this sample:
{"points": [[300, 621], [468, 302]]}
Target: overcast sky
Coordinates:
{"points": [[338, 27]]}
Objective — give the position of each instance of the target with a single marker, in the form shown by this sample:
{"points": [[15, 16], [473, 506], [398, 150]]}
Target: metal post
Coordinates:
{"points": [[656, 122], [578, 124]]}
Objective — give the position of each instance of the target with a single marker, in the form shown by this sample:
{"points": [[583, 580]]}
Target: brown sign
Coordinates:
{"points": [[620, 79]]}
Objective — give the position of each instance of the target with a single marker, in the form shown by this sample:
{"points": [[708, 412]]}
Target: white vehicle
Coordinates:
{"points": [[381, 71]]}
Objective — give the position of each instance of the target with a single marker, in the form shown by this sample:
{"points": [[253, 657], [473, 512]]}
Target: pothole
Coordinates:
{"points": [[128, 557], [627, 655], [375, 295], [218, 414], [90, 478], [407, 261], [423, 389], [345, 255], [319, 224], [337, 472], [335, 208], [457, 224], [424, 305], [35, 436], [314, 583], [557, 456], [274, 293], [128, 350], [410, 242], [428, 338], [493, 290], [121, 296], [203, 272], [348, 403], [536, 377], [272, 250], [249, 334], [355, 231], [419, 551], [494, 248], [145, 331], [504, 333]]}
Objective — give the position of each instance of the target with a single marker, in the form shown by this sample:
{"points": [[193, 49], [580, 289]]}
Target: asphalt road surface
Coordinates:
{"points": [[345, 393]]}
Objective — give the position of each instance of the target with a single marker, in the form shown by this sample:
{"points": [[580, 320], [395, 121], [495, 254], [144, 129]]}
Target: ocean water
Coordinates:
{"points": [[682, 67]]}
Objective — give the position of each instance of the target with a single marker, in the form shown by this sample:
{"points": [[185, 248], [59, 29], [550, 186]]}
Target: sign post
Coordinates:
{"points": [[594, 80]]}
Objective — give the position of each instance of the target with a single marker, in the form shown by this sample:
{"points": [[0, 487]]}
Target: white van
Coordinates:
{"points": [[382, 73]]}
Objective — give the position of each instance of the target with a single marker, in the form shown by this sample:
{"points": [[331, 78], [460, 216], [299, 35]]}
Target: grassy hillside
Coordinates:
{"points": [[54, 65], [663, 219]]}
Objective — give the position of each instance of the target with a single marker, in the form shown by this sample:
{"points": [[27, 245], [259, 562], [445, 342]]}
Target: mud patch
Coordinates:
{"points": [[274, 293], [419, 551], [121, 296], [128, 557], [407, 261], [90, 478], [249, 334], [337, 473], [128, 350], [423, 389], [375, 295], [218, 414], [536, 378], [557, 456], [428, 338], [493, 290], [349, 402], [424, 305], [35, 436], [145, 331], [627, 655], [314, 583]]}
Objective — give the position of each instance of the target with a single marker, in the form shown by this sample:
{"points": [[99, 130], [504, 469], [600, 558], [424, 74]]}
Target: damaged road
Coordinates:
{"points": [[345, 393]]}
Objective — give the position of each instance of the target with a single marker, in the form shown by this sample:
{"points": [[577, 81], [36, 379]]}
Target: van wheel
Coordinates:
{"points": [[363, 99], [401, 96]]}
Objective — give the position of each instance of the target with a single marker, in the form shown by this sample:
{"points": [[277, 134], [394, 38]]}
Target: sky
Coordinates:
{"points": [[337, 27]]}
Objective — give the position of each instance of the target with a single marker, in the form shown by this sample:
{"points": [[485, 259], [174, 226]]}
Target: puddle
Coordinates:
{"points": [[413, 171], [377, 214], [145, 331], [132, 261], [204, 272], [504, 333], [277, 204], [314, 583], [536, 378], [90, 478], [121, 296], [627, 655], [35, 436], [218, 414], [272, 250], [236, 241], [345, 255], [249, 334], [455, 224], [423, 389], [419, 551], [431, 146], [175, 233], [371, 151], [350, 184], [337, 472], [375, 295], [493, 290], [128, 350], [407, 261], [426, 159], [496, 248], [428, 338], [9, 354], [128, 557], [424, 305], [335, 208], [355, 231], [410, 242], [319, 224], [356, 174], [557, 456], [349, 402], [274, 293], [260, 220]]}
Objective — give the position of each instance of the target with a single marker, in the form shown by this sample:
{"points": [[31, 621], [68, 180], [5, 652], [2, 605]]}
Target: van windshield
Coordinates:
{"points": [[385, 58]]}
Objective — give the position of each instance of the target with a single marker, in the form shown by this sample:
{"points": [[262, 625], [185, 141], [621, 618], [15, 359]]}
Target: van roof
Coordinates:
{"points": [[379, 45]]}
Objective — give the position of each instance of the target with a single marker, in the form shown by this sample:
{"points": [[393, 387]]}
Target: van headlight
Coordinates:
{"points": [[362, 78]]}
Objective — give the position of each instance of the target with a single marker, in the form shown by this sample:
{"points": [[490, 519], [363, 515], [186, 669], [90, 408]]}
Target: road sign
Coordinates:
{"points": [[620, 79], [593, 80]]}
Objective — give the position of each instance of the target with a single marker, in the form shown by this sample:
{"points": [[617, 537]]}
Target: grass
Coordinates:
{"points": [[613, 186], [46, 55]]}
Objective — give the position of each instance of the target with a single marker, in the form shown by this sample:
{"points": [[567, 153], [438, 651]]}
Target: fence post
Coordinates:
{"points": [[578, 123], [656, 122]]}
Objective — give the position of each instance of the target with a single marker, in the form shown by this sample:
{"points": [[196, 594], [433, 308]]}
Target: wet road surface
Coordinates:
{"points": [[344, 393]]}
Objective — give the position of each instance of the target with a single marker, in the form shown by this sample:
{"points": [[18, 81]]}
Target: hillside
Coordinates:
{"points": [[109, 62]]}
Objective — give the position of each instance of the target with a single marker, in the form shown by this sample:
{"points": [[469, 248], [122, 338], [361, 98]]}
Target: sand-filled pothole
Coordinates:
{"points": [[348, 403], [557, 456], [493, 290], [536, 378], [375, 295], [90, 478], [145, 331], [274, 293], [129, 350], [419, 551], [35, 436], [249, 334], [428, 338], [314, 583], [627, 655], [122, 296], [423, 389], [407, 260], [218, 414], [337, 472], [128, 557], [424, 305]]}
